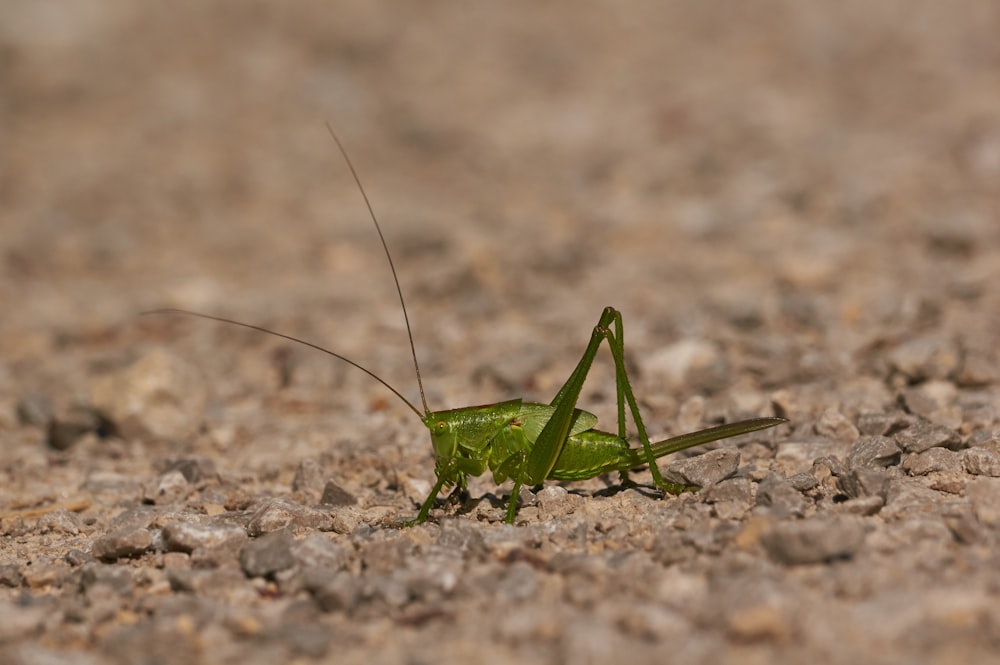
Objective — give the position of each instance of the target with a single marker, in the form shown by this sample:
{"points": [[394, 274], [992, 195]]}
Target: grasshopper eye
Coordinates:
{"points": [[442, 425]]}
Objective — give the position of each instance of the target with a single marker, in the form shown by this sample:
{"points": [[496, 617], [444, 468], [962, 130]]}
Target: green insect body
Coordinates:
{"points": [[500, 437], [527, 442]]}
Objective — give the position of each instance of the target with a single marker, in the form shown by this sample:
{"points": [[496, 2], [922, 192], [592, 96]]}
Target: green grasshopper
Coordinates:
{"points": [[529, 442]]}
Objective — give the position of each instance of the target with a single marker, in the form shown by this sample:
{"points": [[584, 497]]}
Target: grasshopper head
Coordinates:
{"points": [[444, 437]]}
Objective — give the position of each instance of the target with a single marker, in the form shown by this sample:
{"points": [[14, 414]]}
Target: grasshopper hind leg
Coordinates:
{"points": [[552, 438]]}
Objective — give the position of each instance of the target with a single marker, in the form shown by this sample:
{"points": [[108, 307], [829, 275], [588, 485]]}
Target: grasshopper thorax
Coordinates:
{"points": [[467, 431]]}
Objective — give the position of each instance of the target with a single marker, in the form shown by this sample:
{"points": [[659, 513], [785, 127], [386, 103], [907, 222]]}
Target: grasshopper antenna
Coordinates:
{"points": [[392, 267], [173, 310]]}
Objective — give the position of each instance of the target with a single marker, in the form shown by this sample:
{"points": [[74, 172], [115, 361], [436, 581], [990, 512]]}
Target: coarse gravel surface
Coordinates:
{"points": [[794, 205]]}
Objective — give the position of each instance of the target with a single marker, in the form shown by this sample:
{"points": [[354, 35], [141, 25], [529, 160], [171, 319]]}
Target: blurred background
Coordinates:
{"points": [[794, 205], [820, 179]]}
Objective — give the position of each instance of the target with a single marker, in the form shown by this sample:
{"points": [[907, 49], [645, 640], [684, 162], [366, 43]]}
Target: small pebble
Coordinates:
{"points": [[319, 550], [732, 489], [267, 555], [703, 470], [335, 495], [59, 521], [922, 435], [10, 575], [835, 425], [280, 513], [333, 591], [554, 501], [872, 452], [981, 462], [76, 557], [864, 481], [931, 357], [170, 487], [184, 536], [803, 482], [121, 544], [863, 505], [883, 424], [933, 460], [194, 469], [308, 477], [777, 494], [813, 541]]}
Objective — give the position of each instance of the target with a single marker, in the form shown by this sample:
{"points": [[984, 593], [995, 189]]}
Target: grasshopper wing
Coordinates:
{"points": [[534, 416]]}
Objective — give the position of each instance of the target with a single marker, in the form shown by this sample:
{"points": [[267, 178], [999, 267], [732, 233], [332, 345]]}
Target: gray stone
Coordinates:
{"points": [[385, 556], [929, 357], [170, 487], [281, 513], [319, 550], [59, 521], [308, 477], [981, 462], [554, 501], [225, 582], [908, 497], [119, 579], [922, 435], [932, 460], [45, 573], [835, 425], [873, 452], [863, 505], [333, 591], [76, 557], [814, 540], [798, 456], [864, 482], [188, 536], [267, 555], [335, 495], [123, 543], [883, 424], [10, 575], [739, 490], [777, 494], [706, 469], [194, 469], [140, 516], [803, 481]]}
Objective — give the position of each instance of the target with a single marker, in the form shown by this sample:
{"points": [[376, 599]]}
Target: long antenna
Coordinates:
{"points": [[172, 310], [392, 266]]}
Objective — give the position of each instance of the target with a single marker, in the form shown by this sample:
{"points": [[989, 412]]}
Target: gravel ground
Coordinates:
{"points": [[793, 205]]}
